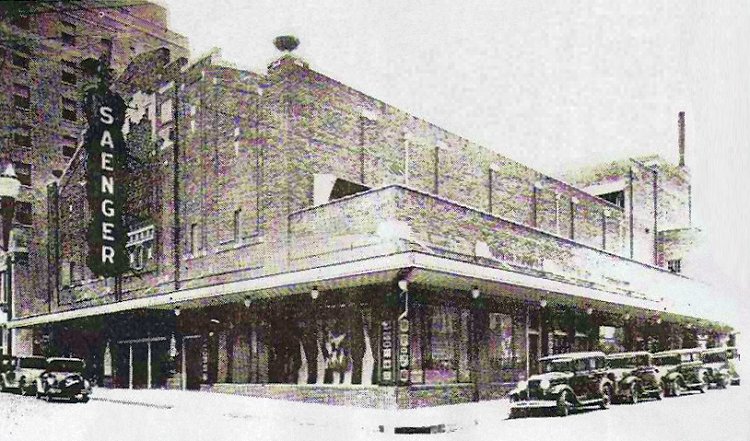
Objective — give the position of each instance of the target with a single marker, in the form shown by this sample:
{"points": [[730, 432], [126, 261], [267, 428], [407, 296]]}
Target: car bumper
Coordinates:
{"points": [[533, 404], [68, 393]]}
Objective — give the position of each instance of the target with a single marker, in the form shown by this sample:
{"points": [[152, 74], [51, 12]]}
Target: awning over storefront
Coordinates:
{"points": [[677, 300]]}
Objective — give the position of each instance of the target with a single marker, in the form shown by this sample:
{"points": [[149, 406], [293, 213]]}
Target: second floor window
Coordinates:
{"points": [[68, 33], [21, 96], [68, 74], [23, 172], [23, 22], [69, 146], [22, 137], [21, 60], [69, 109], [23, 213]]}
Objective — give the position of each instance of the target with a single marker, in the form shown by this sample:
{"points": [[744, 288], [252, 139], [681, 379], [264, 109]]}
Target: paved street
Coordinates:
{"points": [[170, 415], [716, 415]]}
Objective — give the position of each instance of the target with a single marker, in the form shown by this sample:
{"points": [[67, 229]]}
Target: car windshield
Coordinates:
{"points": [[667, 360], [558, 365], [33, 363], [714, 357], [628, 362], [65, 366]]}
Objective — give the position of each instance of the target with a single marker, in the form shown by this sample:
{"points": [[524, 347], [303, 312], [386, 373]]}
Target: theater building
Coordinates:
{"points": [[291, 237]]}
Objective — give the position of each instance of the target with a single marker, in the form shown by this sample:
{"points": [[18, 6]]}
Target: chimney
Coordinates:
{"points": [[681, 137]]}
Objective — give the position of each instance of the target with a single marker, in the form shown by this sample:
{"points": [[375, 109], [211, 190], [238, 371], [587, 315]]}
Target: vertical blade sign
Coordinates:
{"points": [[105, 179]]}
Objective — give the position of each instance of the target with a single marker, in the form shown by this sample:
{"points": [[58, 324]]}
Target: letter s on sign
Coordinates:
{"points": [[106, 113]]}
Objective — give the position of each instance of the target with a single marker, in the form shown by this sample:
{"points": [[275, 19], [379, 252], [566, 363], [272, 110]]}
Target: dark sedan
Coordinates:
{"points": [[64, 379]]}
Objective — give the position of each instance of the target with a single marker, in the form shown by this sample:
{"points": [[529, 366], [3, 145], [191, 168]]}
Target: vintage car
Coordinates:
{"points": [[733, 360], [6, 363], [64, 378], [682, 369], [23, 374], [568, 381], [634, 376], [721, 366]]}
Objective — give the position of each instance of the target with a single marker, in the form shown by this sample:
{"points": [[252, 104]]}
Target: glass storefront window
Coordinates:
{"points": [[440, 350], [500, 340], [446, 341]]}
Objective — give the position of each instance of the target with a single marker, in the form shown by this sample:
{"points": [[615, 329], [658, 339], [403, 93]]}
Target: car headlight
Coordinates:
{"points": [[522, 385], [86, 384], [544, 384], [51, 381]]}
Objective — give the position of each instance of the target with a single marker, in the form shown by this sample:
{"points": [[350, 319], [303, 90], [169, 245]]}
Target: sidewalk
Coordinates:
{"points": [[451, 418]]}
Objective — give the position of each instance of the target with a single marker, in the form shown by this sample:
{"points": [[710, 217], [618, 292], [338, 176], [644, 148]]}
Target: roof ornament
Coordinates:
{"points": [[286, 43]]}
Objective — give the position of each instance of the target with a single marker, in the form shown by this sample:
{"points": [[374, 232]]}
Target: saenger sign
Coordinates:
{"points": [[106, 182]]}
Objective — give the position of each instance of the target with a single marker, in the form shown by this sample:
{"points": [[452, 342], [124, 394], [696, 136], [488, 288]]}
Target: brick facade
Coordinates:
{"points": [[54, 39]]}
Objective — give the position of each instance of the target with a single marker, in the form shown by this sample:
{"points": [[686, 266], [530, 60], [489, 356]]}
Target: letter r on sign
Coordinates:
{"points": [[108, 254]]}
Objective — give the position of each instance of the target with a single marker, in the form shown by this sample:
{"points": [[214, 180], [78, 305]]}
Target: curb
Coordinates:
{"points": [[133, 403]]}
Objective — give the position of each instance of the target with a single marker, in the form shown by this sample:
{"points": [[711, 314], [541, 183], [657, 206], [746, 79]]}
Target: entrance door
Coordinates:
{"points": [[193, 363], [122, 365], [140, 365], [159, 364]]}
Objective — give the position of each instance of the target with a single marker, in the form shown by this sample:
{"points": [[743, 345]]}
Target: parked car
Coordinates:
{"points": [[64, 378], [23, 374], [634, 376], [6, 363], [568, 381], [733, 361], [682, 370], [721, 366]]}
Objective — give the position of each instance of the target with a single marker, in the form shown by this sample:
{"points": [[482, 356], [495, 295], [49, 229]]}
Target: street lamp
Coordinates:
{"points": [[9, 189]]}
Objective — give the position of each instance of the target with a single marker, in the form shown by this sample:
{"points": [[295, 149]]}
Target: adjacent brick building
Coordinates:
{"points": [[293, 237], [43, 44]]}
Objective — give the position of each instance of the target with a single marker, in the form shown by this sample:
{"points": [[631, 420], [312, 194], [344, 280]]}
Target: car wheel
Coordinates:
{"points": [[563, 405], [706, 382], [676, 388], [22, 388], [606, 396], [634, 394], [84, 400]]}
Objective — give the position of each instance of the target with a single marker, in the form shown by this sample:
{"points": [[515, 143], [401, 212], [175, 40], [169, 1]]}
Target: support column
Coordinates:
{"points": [[148, 365], [477, 343], [544, 331], [571, 320], [130, 366], [183, 366], [526, 336]]}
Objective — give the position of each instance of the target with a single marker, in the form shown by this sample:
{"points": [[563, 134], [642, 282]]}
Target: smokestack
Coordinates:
{"points": [[681, 136]]}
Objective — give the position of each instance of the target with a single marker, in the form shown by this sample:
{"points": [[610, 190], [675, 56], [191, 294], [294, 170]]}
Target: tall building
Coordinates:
{"points": [[42, 45], [286, 230]]}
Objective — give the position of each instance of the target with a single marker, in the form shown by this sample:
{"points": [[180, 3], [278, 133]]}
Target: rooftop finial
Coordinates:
{"points": [[286, 43]]}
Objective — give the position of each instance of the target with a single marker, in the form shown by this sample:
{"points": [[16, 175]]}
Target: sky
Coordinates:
{"points": [[552, 84]]}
